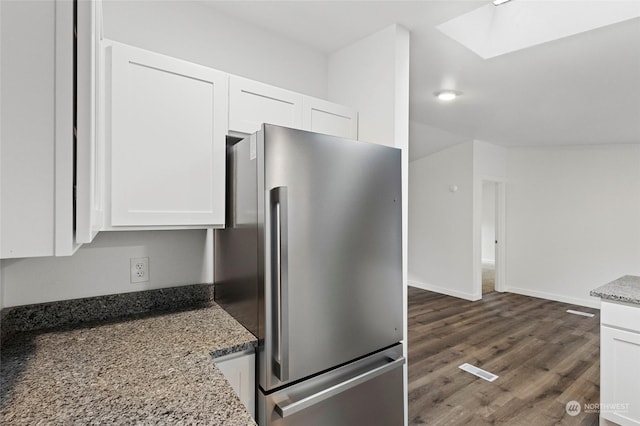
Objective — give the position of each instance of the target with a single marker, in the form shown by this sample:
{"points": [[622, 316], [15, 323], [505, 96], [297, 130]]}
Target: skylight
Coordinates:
{"points": [[492, 31]]}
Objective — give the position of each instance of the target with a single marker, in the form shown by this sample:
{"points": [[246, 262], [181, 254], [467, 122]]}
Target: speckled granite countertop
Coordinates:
{"points": [[147, 369], [624, 289]]}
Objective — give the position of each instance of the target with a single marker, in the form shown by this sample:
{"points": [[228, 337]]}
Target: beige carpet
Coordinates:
{"points": [[488, 278]]}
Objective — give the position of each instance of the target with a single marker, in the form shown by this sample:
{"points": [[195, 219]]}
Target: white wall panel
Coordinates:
{"points": [[102, 267], [197, 33], [441, 222], [362, 76], [573, 219]]}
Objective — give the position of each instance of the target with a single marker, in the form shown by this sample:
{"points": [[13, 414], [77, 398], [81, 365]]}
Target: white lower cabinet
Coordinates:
{"points": [[239, 370], [619, 358], [165, 141]]}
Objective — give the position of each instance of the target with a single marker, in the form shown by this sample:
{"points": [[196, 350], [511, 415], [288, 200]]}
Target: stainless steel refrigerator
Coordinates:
{"points": [[310, 262]]}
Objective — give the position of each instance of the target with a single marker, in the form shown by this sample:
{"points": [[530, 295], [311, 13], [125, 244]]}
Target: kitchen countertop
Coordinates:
{"points": [[624, 289], [145, 369]]}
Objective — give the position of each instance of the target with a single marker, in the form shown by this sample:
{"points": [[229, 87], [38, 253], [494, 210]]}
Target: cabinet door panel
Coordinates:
{"points": [[252, 103], [239, 370], [620, 352], [326, 117], [167, 140], [27, 102], [89, 122]]}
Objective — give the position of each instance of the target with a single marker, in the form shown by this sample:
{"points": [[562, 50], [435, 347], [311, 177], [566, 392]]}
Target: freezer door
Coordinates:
{"points": [[367, 392], [333, 276]]}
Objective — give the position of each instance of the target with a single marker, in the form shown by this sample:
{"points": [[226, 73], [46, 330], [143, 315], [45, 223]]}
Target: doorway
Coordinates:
{"points": [[488, 236]]}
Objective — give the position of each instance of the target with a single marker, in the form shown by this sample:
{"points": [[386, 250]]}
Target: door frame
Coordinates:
{"points": [[500, 234]]}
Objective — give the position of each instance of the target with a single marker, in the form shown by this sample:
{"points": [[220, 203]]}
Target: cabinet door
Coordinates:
{"points": [[89, 120], [326, 117], [252, 103], [619, 376], [167, 140], [239, 370], [36, 150]]}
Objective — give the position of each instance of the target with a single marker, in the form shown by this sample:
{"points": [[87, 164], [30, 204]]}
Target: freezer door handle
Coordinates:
{"points": [[280, 280], [285, 410]]}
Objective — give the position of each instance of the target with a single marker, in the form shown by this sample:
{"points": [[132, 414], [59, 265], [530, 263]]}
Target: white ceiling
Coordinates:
{"points": [[582, 89]]}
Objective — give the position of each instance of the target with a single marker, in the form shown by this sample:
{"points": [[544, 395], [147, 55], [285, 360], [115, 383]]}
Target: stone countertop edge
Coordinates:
{"points": [[103, 308], [624, 289], [154, 369]]}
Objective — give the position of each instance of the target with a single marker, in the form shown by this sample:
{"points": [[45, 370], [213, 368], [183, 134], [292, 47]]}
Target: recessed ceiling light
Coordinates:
{"points": [[499, 2], [447, 95]]}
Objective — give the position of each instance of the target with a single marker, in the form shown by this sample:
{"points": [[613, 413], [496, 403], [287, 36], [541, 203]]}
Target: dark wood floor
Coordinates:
{"points": [[544, 357], [488, 278]]}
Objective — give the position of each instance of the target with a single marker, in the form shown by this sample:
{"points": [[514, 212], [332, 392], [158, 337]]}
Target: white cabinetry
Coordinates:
{"points": [[619, 357], [149, 149], [89, 122], [239, 370], [166, 140], [36, 139], [252, 103], [326, 117]]}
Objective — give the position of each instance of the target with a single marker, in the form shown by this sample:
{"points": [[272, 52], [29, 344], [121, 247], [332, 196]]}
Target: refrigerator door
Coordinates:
{"points": [[366, 392], [332, 238]]}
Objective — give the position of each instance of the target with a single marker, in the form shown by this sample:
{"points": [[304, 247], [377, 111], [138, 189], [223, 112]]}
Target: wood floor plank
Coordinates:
{"points": [[544, 357]]}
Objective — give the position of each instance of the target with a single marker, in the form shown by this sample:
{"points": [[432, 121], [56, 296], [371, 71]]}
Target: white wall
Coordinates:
{"points": [[193, 32], [441, 222], [102, 267], [197, 33], [426, 140], [573, 219], [489, 160], [363, 76], [488, 222], [445, 227], [1, 71]]}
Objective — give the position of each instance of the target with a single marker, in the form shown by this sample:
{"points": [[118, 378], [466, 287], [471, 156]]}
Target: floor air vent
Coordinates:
{"points": [[490, 377], [584, 314]]}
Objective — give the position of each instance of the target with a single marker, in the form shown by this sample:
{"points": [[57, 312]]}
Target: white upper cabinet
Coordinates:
{"points": [[36, 140], [89, 122], [166, 140], [323, 116], [141, 145], [252, 103]]}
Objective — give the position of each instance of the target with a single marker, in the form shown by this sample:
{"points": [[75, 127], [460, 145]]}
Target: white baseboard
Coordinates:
{"points": [[555, 297], [444, 290]]}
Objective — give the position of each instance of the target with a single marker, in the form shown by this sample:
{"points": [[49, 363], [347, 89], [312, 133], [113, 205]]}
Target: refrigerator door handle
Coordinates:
{"points": [[280, 281], [285, 410]]}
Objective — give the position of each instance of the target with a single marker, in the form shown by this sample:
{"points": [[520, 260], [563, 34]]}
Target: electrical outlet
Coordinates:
{"points": [[139, 269]]}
